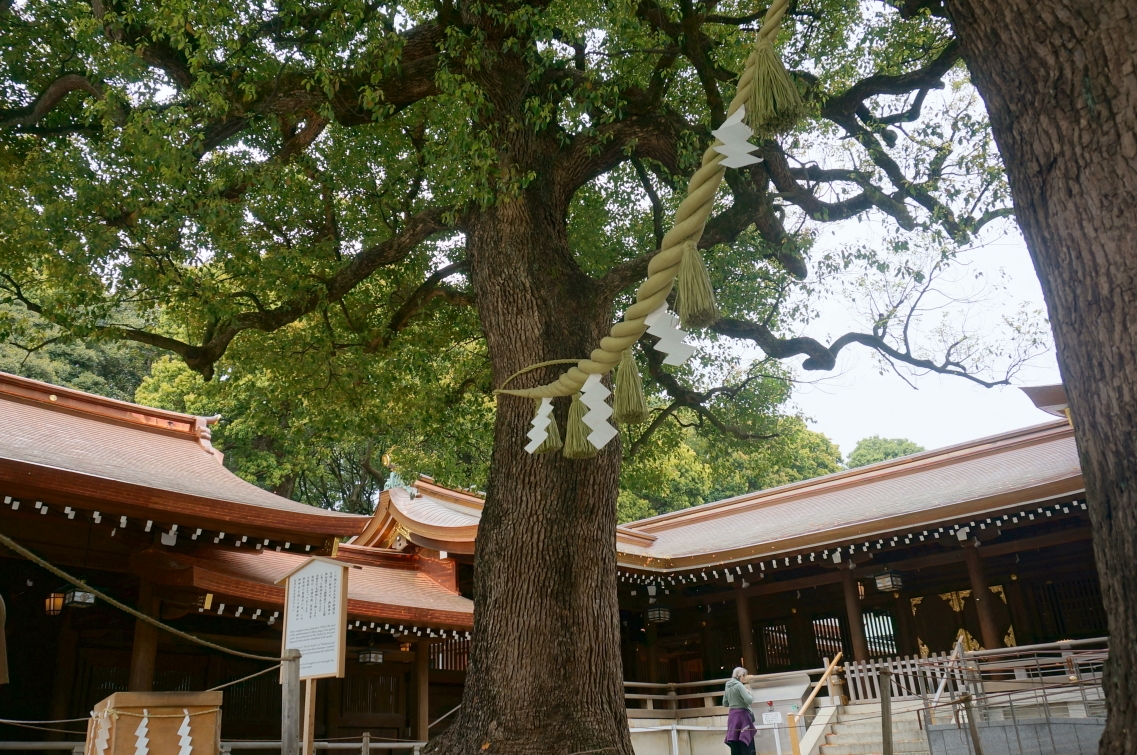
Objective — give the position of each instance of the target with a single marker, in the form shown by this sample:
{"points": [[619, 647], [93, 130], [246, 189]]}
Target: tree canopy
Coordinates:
{"points": [[875, 448], [362, 218]]}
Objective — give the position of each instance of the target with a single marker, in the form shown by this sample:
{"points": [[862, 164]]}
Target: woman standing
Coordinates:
{"points": [[740, 722]]}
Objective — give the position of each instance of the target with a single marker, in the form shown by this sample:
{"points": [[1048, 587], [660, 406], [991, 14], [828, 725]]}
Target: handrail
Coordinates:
{"points": [[444, 716], [958, 649], [794, 718], [750, 678]]}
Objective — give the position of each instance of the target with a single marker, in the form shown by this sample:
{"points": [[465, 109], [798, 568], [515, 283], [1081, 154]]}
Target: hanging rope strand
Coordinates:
{"points": [[122, 606]]}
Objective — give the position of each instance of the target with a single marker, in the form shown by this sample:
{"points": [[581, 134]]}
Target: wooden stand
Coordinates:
{"points": [[114, 728]]}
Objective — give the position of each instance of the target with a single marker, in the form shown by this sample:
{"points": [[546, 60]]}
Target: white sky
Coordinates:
{"points": [[856, 401]]}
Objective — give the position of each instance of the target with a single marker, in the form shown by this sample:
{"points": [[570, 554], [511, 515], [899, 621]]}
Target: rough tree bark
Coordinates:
{"points": [[1060, 84], [545, 672]]}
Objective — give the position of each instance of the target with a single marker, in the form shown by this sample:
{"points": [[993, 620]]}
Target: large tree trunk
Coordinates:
{"points": [[545, 671], [1060, 84]]}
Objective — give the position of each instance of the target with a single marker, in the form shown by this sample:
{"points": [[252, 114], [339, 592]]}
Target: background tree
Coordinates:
{"points": [[875, 448], [1057, 79], [299, 186]]}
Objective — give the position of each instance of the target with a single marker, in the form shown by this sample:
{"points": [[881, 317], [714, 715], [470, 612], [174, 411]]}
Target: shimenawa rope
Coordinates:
{"points": [[772, 104]]}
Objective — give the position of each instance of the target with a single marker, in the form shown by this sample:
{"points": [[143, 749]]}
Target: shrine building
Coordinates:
{"points": [[987, 542], [136, 502]]}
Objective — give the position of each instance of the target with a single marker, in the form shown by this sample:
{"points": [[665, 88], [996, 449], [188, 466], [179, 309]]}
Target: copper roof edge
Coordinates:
{"points": [[100, 407], [860, 475], [829, 536]]}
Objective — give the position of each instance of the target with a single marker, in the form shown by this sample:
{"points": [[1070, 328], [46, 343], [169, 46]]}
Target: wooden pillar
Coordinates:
{"points": [[65, 651], [1025, 633], [983, 596], [422, 690], [652, 650], [145, 651], [3, 642], [853, 609], [308, 738], [745, 632], [803, 645], [905, 635]]}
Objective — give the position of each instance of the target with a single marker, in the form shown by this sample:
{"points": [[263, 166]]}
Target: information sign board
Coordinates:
{"points": [[771, 717], [315, 616]]}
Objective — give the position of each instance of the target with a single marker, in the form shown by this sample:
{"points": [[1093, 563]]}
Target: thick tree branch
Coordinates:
{"points": [[821, 357], [51, 96], [428, 290], [684, 397], [221, 333]]}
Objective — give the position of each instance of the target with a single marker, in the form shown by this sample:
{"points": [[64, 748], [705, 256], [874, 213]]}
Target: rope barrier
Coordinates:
{"points": [[242, 679], [123, 607]]}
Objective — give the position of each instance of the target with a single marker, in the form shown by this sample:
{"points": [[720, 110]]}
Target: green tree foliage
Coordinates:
{"points": [[697, 469], [875, 448], [108, 368]]}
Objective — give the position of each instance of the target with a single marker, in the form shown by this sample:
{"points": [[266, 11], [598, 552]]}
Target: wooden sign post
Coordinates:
{"points": [[315, 623]]}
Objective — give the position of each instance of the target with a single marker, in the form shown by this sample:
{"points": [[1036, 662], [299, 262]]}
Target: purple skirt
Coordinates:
{"points": [[740, 726]]}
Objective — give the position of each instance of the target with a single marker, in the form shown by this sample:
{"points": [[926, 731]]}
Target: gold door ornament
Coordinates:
{"points": [[957, 599]]}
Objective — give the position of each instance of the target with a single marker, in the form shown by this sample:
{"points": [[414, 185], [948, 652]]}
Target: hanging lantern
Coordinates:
{"points": [[53, 604], [370, 656], [888, 581], [658, 614], [79, 599]]}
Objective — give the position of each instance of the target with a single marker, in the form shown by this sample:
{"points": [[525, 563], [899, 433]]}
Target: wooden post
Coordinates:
{"points": [[65, 652], [745, 632], [365, 749], [144, 653], [983, 596], [905, 637], [886, 711], [422, 690], [309, 716], [972, 726], [290, 703], [652, 651], [853, 609]]}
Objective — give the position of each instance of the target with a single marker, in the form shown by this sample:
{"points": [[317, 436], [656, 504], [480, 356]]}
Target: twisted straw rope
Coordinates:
{"points": [[690, 219]]}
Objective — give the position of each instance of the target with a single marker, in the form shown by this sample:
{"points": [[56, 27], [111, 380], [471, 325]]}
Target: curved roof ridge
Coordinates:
{"points": [[859, 475]]}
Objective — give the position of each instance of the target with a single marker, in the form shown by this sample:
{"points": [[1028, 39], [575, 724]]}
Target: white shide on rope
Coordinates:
{"points": [[664, 325], [735, 135], [142, 743], [185, 741], [103, 737], [540, 428], [594, 394]]}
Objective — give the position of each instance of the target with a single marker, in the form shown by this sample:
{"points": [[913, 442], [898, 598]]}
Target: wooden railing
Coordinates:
{"points": [[794, 719], [691, 699]]}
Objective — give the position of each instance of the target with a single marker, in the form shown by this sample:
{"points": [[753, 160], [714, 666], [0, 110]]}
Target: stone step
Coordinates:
{"points": [[866, 727], [907, 746]]}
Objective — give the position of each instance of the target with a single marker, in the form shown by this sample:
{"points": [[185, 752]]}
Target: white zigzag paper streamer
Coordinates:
{"points": [[142, 743], [664, 325], [185, 741], [103, 737], [735, 135], [540, 429], [594, 394]]}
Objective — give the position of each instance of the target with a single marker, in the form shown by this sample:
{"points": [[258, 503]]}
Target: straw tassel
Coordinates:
{"points": [[694, 297], [629, 404], [553, 439], [775, 104], [576, 434]]}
